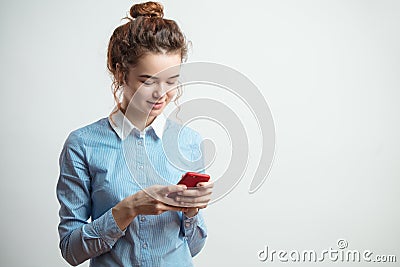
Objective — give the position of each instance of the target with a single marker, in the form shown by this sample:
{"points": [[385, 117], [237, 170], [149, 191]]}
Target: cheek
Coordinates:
{"points": [[137, 93], [127, 93], [171, 94]]}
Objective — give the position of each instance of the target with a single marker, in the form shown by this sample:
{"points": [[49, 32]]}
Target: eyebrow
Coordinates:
{"points": [[154, 77]]}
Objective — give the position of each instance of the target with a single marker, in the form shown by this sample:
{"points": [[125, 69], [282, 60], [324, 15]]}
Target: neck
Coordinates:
{"points": [[137, 118]]}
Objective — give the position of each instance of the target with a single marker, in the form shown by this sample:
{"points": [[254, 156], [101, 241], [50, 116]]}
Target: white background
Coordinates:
{"points": [[328, 69]]}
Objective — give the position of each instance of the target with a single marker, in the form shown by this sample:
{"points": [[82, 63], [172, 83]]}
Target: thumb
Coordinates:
{"points": [[173, 188]]}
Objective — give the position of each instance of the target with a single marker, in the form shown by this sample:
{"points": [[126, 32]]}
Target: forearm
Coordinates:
{"points": [[124, 212]]}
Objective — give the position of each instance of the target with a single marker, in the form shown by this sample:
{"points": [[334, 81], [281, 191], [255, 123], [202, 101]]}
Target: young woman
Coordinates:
{"points": [[135, 219]]}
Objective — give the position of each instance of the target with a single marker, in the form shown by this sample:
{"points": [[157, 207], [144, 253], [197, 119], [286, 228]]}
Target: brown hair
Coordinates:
{"points": [[146, 31]]}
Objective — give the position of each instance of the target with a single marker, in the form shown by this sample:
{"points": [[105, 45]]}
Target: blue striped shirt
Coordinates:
{"points": [[108, 160]]}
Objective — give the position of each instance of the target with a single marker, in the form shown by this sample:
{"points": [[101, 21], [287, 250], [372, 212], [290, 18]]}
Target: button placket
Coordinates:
{"points": [[140, 154]]}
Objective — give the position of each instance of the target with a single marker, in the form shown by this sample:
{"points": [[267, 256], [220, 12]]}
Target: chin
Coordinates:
{"points": [[155, 112]]}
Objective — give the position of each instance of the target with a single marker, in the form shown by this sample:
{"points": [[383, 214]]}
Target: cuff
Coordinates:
{"points": [[107, 228], [189, 224]]}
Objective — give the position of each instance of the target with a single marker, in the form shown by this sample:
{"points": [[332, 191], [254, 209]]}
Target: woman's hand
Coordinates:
{"points": [[153, 200], [195, 198]]}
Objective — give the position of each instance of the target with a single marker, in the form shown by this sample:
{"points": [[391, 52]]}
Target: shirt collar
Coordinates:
{"points": [[123, 127]]}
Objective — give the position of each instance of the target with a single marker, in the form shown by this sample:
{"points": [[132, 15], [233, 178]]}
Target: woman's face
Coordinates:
{"points": [[151, 84]]}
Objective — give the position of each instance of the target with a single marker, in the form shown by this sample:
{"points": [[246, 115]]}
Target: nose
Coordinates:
{"points": [[158, 91]]}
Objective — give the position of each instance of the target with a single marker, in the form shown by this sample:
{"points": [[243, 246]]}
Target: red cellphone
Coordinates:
{"points": [[191, 179]]}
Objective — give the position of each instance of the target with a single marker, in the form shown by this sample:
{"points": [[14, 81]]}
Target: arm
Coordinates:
{"points": [[195, 232], [80, 240], [193, 224]]}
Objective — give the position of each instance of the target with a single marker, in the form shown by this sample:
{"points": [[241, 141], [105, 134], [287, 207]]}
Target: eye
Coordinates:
{"points": [[172, 82], [147, 82]]}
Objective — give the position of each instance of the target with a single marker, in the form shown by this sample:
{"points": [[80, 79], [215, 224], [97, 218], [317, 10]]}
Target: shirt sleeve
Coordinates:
{"points": [[195, 232], [194, 228], [79, 239]]}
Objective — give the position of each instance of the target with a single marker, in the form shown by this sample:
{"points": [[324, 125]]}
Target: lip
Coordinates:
{"points": [[156, 105]]}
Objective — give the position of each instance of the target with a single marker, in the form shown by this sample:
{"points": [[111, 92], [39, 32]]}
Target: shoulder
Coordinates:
{"points": [[87, 133], [184, 133], [184, 145]]}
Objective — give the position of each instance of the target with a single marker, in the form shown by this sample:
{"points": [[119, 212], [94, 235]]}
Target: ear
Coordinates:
{"points": [[121, 74]]}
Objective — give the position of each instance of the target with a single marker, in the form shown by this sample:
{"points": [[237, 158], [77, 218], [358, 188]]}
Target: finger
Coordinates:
{"points": [[199, 203], [177, 208], [165, 207], [172, 189], [195, 205], [205, 184], [170, 200], [193, 200], [195, 192], [159, 193]]}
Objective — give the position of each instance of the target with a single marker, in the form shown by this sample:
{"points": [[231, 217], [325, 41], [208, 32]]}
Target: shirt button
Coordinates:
{"points": [[142, 219], [187, 224], [144, 245], [140, 142], [140, 166]]}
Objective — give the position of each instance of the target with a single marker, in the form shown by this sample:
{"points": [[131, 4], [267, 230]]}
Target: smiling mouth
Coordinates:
{"points": [[156, 105]]}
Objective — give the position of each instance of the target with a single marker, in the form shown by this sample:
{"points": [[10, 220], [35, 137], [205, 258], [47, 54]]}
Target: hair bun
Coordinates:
{"points": [[148, 9]]}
